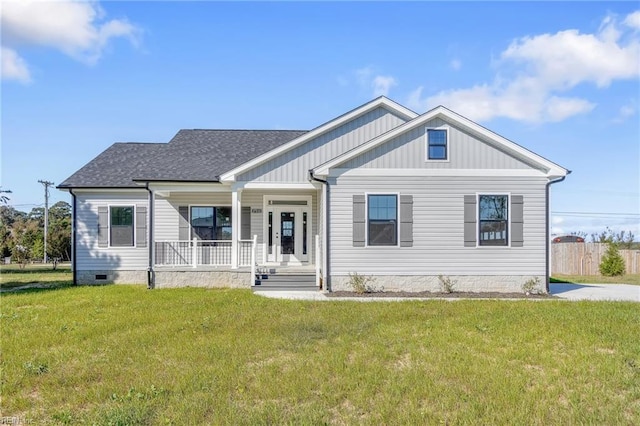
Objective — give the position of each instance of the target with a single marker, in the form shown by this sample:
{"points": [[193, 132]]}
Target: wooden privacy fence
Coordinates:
{"points": [[585, 258]]}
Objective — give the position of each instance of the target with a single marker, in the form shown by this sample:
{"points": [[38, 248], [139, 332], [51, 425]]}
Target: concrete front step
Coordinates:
{"points": [[283, 288], [298, 282]]}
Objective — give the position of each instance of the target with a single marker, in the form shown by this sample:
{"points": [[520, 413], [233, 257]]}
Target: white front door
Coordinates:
{"points": [[288, 234]]}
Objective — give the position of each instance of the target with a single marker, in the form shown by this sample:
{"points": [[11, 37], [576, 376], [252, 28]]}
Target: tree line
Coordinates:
{"points": [[21, 233]]}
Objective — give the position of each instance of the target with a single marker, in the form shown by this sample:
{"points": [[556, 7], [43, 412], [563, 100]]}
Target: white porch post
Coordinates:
{"points": [[236, 225]]}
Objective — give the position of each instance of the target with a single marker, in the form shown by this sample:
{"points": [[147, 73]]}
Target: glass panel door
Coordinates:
{"points": [[287, 233]]}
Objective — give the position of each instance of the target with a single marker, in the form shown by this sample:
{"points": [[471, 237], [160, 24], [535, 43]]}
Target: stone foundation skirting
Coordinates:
{"points": [[207, 279], [462, 283], [169, 279], [111, 277]]}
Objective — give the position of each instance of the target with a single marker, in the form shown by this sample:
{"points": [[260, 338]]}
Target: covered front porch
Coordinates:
{"points": [[244, 230]]}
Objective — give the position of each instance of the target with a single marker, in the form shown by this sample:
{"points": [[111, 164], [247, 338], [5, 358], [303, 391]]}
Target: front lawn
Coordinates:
{"points": [[14, 276], [127, 355], [596, 279]]}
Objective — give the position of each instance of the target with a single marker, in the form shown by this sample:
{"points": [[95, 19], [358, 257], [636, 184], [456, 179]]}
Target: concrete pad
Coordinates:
{"points": [[292, 295], [617, 292]]}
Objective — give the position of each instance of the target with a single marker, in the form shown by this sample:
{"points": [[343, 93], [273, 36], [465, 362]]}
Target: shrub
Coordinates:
{"points": [[612, 264], [532, 286], [361, 283], [447, 284]]}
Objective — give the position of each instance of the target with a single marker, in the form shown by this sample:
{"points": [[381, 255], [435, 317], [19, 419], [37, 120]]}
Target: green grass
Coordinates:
{"points": [[126, 355], [597, 279], [13, 276]]}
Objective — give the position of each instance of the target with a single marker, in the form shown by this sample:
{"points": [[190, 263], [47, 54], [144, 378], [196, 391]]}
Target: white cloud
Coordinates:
{"points": [[382, 84], [14, 67], [534, 71], [455, 64], [77, 29], [378, 84], [625, 111], [633, 20]]}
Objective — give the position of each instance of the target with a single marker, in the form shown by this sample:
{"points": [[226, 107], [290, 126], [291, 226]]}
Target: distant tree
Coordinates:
{"points": [[59, 239], [37, 214], [24, 235], [8, 215], [623, 239], [60, 211], [3, 198]]}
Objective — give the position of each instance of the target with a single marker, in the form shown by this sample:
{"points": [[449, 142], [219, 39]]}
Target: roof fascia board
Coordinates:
{"points": [[440, 111], [326, 127], [369, 172], [188, 187], [103, 190]]}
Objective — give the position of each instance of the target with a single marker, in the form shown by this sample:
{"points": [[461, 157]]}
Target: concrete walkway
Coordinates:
{"points": [[618, 292], [613, 292]]}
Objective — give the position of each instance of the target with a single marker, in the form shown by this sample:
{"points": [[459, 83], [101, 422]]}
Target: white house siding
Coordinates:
{"points": [[120, 264], [166, 216], [465, 152], [438, 235], [294, 165]]}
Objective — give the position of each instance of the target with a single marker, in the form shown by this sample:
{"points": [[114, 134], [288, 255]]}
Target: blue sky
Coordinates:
{"points": [[561, 79]]}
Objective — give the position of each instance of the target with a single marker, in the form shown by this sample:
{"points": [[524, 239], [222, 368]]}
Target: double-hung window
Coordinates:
{"points": [[382, 218], [437, 144], [211, 223], [493, 224], [121, 226]]}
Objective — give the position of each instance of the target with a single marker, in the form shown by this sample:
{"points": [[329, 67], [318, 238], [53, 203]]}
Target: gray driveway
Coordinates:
{"points": [[618, 292]]}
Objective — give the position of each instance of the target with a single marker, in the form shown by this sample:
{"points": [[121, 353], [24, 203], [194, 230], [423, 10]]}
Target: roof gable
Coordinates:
{"points": [[496, 141], [320, 130]]}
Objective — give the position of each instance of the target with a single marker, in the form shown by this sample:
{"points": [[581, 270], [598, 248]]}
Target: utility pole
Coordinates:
{"points": [[46, 185]]}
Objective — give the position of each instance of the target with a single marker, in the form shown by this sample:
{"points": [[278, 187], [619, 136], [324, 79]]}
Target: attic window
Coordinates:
{"points": [[437, 147]]}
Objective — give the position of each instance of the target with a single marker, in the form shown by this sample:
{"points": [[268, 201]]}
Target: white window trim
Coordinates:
{"points": [[134, 224], [478, 194], [207, 205], [426, 145], [366, 219]]}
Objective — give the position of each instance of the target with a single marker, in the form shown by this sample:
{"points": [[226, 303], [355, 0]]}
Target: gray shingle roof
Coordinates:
{"points": [[192, 155]]}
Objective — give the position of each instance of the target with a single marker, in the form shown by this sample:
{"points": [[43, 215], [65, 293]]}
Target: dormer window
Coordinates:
{"points": [[437, 146]]}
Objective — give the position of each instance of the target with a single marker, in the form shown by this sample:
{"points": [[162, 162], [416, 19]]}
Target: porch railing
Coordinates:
{"points": [[201, 253]]}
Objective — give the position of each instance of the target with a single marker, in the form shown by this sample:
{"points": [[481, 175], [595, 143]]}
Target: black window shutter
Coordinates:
{"points": [[103, 226], [245, 232], [517, 222], [141, 226], [184, 228], [359, 217], [470, 220], [406, 220]]}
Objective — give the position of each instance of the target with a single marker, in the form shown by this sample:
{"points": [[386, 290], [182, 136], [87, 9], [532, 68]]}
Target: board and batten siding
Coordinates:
{"points": [[408, 150], [89, 256], [438, 228], [294, 165]]}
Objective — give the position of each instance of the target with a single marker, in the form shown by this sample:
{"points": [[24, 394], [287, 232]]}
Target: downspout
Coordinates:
{"points": [[150, 272], [73, 237], [548, 229], [325, 226]]}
